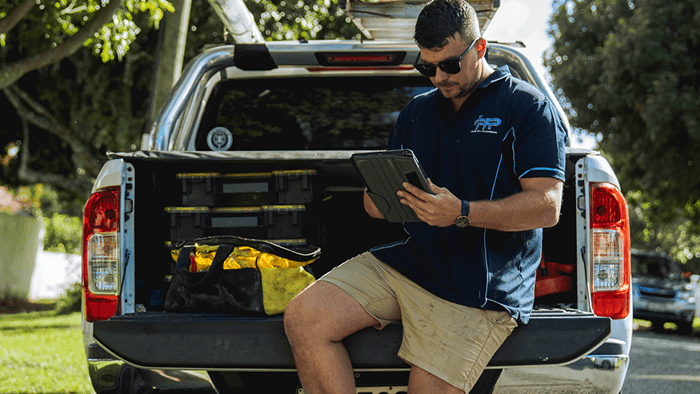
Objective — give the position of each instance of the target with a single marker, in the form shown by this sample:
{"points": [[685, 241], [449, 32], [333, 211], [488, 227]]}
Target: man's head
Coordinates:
{"points": [[451, 48], [441, 19]]}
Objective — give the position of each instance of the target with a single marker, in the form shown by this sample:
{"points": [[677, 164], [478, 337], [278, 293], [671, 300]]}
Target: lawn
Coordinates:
{"points": [[41, 352]]}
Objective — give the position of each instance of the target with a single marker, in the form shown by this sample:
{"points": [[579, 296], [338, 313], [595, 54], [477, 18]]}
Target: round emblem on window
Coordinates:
{"points": [[219, 138]]}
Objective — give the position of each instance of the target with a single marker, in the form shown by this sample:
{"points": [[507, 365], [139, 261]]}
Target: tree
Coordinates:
{"points": [[629, 71], [63, 28], [69, 113], [37, 35]]}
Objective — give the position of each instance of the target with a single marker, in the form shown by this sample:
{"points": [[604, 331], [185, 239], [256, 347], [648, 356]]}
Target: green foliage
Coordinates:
{"points": [[301, 19], [50, 23], [63, 234], [71, 300], [629, 69]]}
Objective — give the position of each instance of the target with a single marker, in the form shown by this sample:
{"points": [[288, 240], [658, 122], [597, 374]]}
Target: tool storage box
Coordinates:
{"points": [[271, 222], [247, 189]]}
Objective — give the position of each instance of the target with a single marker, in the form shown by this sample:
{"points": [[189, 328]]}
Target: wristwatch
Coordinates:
{"points": [[463, 219]]}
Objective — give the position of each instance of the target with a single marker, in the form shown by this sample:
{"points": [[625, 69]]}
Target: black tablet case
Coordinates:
{"points": [[384, 173]]}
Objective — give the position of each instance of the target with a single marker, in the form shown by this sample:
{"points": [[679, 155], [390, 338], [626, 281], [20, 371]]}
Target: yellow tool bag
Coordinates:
{"points": [[229, 274]]}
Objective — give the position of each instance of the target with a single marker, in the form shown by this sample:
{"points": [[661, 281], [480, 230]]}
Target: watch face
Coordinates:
{"points": [[462, 221]]}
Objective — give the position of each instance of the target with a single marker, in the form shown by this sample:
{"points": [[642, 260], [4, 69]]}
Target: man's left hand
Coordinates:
{"points": [[438, 209]]}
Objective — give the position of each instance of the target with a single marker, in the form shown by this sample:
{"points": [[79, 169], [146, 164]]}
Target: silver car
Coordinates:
{"points": [[660, 292]]}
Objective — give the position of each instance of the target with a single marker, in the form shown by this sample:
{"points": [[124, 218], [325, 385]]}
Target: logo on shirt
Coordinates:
{"points": [[485, 125]]}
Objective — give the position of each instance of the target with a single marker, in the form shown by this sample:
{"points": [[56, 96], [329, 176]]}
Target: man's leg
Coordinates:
{"points": [[316, 321], [422, 382]]}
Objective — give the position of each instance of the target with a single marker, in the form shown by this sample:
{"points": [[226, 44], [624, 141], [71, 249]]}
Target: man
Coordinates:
{"points": [[493, 148]]}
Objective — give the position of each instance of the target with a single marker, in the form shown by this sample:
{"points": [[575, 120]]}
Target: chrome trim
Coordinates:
{"points": [[594, 374], [104, 373], [200, 68]]}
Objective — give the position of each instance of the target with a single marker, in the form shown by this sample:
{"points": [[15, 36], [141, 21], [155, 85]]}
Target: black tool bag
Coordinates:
{"points": [[245, 291]]}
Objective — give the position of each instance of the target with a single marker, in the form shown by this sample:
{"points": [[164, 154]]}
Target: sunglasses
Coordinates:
{"points": [[452, 66]]}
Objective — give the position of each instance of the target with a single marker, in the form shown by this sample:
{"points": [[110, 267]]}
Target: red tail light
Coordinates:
{"points": [[101, 255], [610, 282]]}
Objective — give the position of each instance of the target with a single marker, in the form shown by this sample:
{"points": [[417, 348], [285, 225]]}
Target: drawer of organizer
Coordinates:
{"points": [[262, 222], [247, 189]]}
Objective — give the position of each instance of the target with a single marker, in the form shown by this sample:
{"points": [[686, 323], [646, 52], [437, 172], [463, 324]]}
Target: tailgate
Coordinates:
{"points": [[168, 340]]}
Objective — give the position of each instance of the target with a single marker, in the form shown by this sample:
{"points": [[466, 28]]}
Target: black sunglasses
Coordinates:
{"points": [[452, 66]]}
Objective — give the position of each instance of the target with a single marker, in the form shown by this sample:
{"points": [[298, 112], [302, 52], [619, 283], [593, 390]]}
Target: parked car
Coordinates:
{"points": [[660, 291]]}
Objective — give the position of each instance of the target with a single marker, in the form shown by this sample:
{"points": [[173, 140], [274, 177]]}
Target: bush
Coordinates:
{"points": [[71, 300], [63, 234]]}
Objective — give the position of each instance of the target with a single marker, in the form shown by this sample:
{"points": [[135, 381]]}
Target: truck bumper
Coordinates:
{"points": [[573, 345], [602, 371]]}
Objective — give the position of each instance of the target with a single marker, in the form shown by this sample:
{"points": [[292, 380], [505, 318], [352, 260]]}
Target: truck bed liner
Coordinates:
{"points": [[169, 340]]}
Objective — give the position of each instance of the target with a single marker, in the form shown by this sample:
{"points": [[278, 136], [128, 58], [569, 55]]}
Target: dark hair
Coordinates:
{"points": [[441, 19]]}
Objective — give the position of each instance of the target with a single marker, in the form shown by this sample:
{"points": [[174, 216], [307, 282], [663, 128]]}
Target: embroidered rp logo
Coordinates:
{"points": [[485, 125]]}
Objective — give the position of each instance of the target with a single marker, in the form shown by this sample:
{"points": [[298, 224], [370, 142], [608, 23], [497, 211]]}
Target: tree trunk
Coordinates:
{"points": [[169, 56]]}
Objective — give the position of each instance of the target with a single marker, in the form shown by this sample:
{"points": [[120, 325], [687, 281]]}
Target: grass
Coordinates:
{"points": [[42, 352], [645, 324]]}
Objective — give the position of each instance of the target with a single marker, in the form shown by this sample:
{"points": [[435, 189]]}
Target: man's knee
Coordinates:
{"points": [[295, 317], [303, 315]]}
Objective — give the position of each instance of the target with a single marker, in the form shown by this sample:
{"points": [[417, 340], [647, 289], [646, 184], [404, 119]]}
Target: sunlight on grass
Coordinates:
{"points": [[667, 326], [41, 352]]}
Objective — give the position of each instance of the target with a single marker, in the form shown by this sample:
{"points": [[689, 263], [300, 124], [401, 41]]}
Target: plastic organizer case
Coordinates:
{"points": [[247, 189], [262, 222]]}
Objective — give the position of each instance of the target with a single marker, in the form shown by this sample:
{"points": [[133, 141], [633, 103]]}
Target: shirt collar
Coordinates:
{"points": [[498, 74], [446, 105]]}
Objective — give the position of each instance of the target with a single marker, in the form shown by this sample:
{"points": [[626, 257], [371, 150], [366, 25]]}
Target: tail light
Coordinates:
{"points": [[101, 255], [610, 282]]}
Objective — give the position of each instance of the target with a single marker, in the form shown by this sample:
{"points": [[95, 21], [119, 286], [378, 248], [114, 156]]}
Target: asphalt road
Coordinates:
{"points": [[663, 363]]}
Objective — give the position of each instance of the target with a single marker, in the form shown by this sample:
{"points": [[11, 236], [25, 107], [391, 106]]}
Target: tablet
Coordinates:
{"points": [[383, 173]]}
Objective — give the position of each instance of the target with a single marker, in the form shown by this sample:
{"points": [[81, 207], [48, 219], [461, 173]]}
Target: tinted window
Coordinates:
{"points": [[308, 113], [655, 266]]}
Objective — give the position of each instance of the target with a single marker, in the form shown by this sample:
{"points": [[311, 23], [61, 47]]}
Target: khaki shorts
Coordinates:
{"points": [[451, 341]]}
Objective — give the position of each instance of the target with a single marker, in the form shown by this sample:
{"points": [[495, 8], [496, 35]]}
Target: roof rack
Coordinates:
{"points": [[396, 19]]}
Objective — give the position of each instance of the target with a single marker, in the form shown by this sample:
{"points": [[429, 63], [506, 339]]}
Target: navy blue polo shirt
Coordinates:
{"points": [[506, 130]]}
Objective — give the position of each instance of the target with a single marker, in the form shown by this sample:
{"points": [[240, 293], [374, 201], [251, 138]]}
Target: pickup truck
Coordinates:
{"points": [[295, 112]]}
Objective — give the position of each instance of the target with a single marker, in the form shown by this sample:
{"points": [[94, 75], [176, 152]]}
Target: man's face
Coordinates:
{"points": [[455, 85]]}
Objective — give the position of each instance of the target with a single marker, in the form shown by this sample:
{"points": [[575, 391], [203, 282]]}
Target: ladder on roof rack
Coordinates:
{"points": [[396, 19]]}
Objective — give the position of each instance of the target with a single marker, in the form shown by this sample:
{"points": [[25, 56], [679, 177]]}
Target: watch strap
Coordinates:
{"points": [[465, 208]]}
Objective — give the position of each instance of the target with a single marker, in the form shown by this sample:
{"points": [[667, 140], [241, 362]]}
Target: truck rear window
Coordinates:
{"points": [[305, 113]]}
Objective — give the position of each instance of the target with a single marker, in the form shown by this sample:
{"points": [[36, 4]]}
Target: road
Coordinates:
{"points": [[663, 363]]}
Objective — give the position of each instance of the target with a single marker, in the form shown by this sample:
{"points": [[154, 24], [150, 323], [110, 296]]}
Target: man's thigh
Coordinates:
{"points": [[326, 311], [368, 281], [450, 341]]}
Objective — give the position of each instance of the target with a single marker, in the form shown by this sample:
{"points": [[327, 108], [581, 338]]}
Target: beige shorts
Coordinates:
{"points": [[451, 341]]}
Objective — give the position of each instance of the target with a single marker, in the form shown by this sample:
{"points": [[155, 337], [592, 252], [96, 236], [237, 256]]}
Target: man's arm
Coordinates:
{"points": [[537, 206]]}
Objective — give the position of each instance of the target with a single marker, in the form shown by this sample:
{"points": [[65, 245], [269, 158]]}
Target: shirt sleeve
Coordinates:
{"points": [[538, 139]]}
